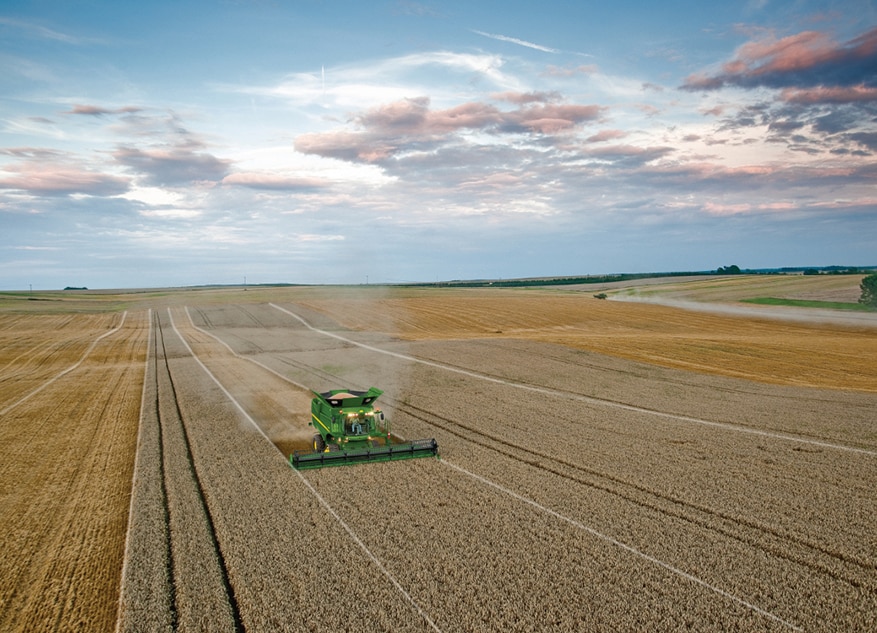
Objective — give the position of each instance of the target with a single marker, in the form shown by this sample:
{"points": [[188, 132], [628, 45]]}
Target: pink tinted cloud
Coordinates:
{"points": [[553, 118], [606, 135], [60, 179], [405, 116], [350, 146], [465, 116], [92, 110], [704, 172], [629, 154], [389, 129], [523, 98], [413, 117], [725, 209], [836, 94], [794, 52], [810, 58]]}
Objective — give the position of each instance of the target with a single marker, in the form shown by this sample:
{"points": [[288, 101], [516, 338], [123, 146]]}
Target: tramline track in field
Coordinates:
{"points": [[45, 381], [670, 376], [601, 401], [194, 556], [799, 436], [739, 528], [401, 405], [326, 505], [752, 533], [748, 531]]}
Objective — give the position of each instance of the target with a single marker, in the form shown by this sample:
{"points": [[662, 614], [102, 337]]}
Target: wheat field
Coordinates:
{"points": [[605, 465]]}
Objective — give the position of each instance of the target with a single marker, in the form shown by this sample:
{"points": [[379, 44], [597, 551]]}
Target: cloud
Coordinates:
{"points": [[410, 125], [629, 154], [567, 71], [834, 94], [522, 98], [514, 40], [807, 59], [825, 96], [771, 178], [40, 178], [553, 118], [276, 182], [172, 167], [606, 135], [362, 84], [41, 32], [35, 153], [92, 110], [724, 209], [866, 139]]}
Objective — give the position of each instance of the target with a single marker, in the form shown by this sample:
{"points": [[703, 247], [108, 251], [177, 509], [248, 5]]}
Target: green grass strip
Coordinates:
{"points": [[806, 303]]}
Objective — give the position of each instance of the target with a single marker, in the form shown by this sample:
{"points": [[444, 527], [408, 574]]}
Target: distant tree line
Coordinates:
{"points": [[733, 269], [550, 281]]}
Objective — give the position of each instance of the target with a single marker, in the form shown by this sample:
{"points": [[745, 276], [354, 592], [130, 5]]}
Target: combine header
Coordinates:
{"points": [[351, 430]]}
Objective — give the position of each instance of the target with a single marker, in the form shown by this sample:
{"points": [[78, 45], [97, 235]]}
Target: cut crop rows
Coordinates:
{"points": [[176, 575], [678, 520], [65, 476]]}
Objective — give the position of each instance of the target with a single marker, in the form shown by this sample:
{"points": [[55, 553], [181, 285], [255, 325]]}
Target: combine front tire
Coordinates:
{"points": [[319, 444]]}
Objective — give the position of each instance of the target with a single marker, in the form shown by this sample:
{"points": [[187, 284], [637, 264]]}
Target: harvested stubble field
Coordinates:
{"points": [[589, 479]]}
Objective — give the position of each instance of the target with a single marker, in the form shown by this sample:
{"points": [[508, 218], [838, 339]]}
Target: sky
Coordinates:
{"points": [[175, 143]]}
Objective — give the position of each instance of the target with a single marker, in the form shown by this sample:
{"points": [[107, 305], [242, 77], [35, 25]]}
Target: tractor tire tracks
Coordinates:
{"points": [[191, 588], [773, 540]]}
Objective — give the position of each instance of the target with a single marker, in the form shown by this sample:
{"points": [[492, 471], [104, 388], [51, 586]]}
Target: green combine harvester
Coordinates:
{"points": [[351, 430]]}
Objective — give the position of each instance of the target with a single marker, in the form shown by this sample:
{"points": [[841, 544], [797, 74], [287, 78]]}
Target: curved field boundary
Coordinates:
{"points": [[583, 398], [69, 369], [577, 524], [322, 501]]}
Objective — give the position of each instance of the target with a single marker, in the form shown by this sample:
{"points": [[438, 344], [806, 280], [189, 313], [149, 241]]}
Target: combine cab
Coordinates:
{"points": [[351, 430]]}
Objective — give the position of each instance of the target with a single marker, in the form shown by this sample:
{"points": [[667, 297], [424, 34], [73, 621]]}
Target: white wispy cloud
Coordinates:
{"points": [[41, 32], [514, 40]]}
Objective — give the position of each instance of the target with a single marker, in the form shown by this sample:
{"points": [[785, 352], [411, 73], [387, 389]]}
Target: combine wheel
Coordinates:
{"points": [[319, 444]]}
